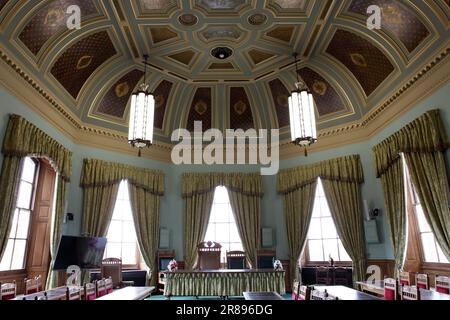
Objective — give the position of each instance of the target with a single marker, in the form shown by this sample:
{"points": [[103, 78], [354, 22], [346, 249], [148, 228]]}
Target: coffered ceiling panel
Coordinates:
{"points": [[201, 109], [50, 20], [162, 95], [240, 49], [325, 96], [369, 65], [77, 63], [280, 96], [115, 100], [241, 116], [397, 19]]}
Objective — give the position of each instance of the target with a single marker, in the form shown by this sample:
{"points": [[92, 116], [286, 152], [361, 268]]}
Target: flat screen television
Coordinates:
{"points": [[84, 252]]}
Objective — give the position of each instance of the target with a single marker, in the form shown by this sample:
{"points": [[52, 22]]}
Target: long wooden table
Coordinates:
{"points": [[377, 288], [223, 283], [346, 293], [129, 293], [53, 294]]}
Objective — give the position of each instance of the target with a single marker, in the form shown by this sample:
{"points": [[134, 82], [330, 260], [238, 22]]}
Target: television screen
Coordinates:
{"points": [[84, 252]]}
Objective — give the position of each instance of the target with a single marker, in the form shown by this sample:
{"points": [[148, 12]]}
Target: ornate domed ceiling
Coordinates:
{"points": [[226, 62]]}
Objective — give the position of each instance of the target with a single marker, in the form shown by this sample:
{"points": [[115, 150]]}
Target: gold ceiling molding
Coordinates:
{"points": [[331, 138]]}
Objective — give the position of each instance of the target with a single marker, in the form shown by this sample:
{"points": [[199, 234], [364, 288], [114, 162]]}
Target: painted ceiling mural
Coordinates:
{"points": [[92, 71]]}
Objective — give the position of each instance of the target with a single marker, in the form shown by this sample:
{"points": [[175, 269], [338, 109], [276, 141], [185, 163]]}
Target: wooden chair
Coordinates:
{"points": [[390, 289], [90, 291], [323, 275], [33, 285], [112, 268], [422, 281], [318, 294], [209, 255], [442, 284], [73, 294], [100, 288], [404, 278], [410, 293], [340, 277], [236, 260], [8, 291], [295, 290], [265, 258], [304, 293], [109, 285]]}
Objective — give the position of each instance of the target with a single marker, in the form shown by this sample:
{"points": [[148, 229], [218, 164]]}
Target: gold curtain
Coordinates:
{"points": [[9, 185], [423, 142], [246, 210], [298, 185], [24, 139], [145, 208], [344, 200], [245, 190], [298, 205], [101, 180]]}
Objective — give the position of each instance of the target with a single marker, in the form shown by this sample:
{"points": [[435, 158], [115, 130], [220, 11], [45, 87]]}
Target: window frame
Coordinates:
{"points": [[139, 259], [34, 187], [305, 258], [225, 245], [412, 201]]}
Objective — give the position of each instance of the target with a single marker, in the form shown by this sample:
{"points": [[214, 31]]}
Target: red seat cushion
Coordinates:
{"points": [[102, 293], [421, 286], [8, 296], [91, 297], [389, 294], [404, 282], [110, 290], [443, 290]]}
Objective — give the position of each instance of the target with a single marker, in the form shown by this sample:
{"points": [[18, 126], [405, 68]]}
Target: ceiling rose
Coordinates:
{"points": [[257, 19], [188, 19], [221, 53]]}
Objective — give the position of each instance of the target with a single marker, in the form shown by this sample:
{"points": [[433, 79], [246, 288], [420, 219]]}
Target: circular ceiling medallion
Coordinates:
{"points": [[221, 53], [188, 19], [257, 19]]}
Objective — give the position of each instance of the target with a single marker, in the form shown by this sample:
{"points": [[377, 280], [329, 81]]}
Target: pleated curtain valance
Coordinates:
{"points": [[102, 173], [425, 134], [344, 169], [24, 139], [243, 183]]}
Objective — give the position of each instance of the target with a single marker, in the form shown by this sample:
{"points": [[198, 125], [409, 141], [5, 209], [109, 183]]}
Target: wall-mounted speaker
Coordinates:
{"points": [[164, 238], [267, 237]]}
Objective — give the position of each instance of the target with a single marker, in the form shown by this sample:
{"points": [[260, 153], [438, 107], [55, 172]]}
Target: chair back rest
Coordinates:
{"points": [[318, 294], [422, 281], [265, 258], [322, 275], [295, 290], [33, 285], [410, 293], [89, 291], [109, 285], [304, 293], [112, 268], [236, 260], [8, 291], [390, 289], [209, 255], [73, 293], [100, 288], [442, 284], [404, 278]]}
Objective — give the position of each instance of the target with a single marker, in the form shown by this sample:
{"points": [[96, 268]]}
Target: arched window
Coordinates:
{"points": [[222, 226], [122, 240], [323, 240]]}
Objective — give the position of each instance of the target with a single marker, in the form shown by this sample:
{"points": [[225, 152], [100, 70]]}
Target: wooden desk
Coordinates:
{"points": [[129, 293], [346, 293], [262, 296]]}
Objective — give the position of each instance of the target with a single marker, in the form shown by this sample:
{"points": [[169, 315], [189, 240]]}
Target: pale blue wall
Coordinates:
{"points": [[272, 208]]}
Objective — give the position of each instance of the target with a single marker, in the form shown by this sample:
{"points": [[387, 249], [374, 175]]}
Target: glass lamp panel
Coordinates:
{"points": [[140, 106], [313, 117], [296, 107], [131, 132], [150, 117], [306, 115], [291, 118], [315, 250]]}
